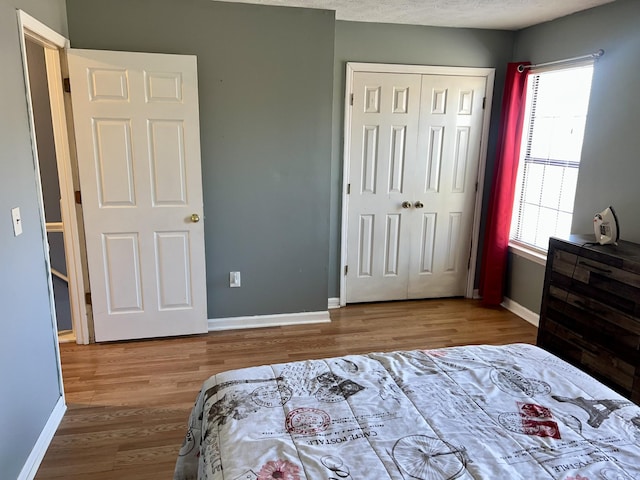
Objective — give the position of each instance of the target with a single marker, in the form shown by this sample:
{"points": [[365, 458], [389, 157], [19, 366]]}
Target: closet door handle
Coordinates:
{"points": [[406, 204], [418, 204]]}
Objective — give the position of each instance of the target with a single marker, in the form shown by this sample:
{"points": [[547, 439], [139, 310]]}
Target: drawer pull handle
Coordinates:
{"points": [[603, 270]]}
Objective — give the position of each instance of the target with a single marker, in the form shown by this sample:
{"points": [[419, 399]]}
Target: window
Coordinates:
{"points": [[553, 131]]}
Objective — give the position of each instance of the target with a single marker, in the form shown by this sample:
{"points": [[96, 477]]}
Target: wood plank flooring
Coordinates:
{"points": [[128, 402]]}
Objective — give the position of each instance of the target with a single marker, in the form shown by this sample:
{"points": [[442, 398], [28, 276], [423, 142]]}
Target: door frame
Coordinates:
{"points": [[54, 48], [354, 67]]}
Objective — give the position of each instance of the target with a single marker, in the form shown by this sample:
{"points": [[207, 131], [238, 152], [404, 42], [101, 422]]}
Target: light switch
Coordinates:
{"points": [[234, 279], [17, 221]]}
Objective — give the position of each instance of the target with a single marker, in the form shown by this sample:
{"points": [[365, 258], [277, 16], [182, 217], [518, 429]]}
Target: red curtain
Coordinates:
{"points": [[498, 223]]}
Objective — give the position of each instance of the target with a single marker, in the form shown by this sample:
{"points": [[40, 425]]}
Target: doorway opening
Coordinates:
{"points": [[159, 232], [47, 160], [43, 61]]}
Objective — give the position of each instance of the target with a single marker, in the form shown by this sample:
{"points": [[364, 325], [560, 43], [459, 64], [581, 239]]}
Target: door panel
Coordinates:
{"points": [[384, 131], [137, 135], [174, 270], [168, 169], [114, 162], [414, 138], [450, 132], [121, 254]]}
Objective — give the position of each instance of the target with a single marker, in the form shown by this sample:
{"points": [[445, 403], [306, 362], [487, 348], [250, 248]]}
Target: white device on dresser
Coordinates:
{"points": [[606, 227]]}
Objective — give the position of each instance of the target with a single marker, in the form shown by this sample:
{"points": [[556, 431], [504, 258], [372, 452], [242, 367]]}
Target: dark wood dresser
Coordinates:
{"points": [[590, 314]]}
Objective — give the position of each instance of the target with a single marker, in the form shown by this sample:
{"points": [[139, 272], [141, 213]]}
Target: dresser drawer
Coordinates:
{"points": [[593, 312], [590, 357], [588, 271]]}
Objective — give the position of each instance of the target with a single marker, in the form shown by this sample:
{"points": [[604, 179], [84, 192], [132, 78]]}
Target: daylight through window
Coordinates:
{"points": [[556, 112]]}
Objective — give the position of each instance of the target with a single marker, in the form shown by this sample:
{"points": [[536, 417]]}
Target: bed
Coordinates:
{"points": [[473, 412]]}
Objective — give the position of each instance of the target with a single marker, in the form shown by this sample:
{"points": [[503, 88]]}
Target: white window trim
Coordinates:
{"points": [[526, 251]]}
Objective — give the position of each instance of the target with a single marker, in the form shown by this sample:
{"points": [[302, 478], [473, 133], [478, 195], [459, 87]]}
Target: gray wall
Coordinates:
{"points": [[265, 86], [525, 280], [610, 165], [404, 44], [272, 177], [28, 359]]}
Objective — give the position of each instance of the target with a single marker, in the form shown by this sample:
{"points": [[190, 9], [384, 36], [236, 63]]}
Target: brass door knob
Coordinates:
{"points": [[195, 218], [418, 204], [406, 204]]}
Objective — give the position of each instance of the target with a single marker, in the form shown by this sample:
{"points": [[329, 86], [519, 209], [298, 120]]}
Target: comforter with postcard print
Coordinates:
{"points": [[475, 412]]}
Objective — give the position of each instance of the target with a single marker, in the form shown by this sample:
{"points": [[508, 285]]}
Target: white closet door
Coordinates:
{"points": [[451, 119], [413, 164], [384, 131]]}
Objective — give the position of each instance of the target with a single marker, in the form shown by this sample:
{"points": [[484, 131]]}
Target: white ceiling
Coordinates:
{"points": [[492, 14]]}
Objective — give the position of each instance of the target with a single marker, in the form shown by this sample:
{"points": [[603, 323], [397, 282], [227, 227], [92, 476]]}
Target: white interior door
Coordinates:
{"points": [[138, 145], [384, 132], [413, 165], [451, 118]]}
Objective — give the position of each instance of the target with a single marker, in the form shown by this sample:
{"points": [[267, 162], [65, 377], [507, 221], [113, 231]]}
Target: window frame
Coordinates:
{"points": [[516, 247]]}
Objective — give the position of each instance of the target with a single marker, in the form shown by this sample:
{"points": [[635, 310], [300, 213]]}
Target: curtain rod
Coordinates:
{"points": [[594, 55]]}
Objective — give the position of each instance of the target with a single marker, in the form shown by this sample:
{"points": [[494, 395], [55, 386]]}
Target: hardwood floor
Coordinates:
{"points": [[128, 402]]}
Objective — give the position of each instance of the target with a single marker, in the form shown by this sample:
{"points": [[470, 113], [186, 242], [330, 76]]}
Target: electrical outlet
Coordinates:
{"points": [[234, 279]]}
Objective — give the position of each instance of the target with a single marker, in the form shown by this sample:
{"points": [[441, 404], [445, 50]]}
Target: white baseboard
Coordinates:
{"points": [[257, 321], [524, 313], [334, 303], [34, 460]]}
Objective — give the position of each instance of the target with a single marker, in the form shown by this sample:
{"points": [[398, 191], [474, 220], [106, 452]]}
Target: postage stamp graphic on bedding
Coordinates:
{"points": [[271, 396], [307, 421], [531, 419], [514, 383]]}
